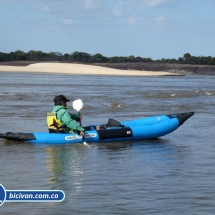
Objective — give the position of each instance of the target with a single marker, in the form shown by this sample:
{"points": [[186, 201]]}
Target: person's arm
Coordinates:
{"points": [[75, 117], [68, 121]]}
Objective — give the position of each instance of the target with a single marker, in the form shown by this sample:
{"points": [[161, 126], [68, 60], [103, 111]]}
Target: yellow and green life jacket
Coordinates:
{"points": [[53, 123]]}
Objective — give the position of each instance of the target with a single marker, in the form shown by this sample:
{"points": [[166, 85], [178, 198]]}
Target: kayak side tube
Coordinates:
{"points": [[54, 138]]}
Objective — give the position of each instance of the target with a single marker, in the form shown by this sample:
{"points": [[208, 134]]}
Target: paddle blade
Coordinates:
{"points": [[77, 104]]}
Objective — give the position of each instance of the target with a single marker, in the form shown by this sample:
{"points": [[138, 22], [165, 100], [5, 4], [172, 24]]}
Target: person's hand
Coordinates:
{"points": [[80, 117], [82, 133]]}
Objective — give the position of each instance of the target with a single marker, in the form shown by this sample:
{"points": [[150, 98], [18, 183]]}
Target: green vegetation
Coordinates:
{"points": [[98, 58]]}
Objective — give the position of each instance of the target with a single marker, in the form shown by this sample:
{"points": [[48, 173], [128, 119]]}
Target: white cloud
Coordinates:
{"points": [[161, 22], [154, 3], [67, 21], [132, 20], [117, 12], [96, 12], [147, 3], [12, 1], [90, 4], [46, 8]]}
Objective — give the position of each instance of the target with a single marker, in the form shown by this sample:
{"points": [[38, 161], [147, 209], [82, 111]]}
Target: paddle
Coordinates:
{"points": [[77, 105]]}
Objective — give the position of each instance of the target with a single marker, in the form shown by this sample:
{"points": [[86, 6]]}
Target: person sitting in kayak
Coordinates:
{"points": [[59, 120]]}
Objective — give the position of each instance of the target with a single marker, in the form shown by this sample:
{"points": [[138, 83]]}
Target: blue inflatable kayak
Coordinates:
{"points": [[140, 129]]}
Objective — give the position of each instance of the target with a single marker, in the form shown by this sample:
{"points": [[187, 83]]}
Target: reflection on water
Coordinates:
{"points": [[115, 166], [65, 165]]}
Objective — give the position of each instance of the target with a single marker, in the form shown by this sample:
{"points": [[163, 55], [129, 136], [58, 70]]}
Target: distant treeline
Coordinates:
{"points": [[97, 58]]}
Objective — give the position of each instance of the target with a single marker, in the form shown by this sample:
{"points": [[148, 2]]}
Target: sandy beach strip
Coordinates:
{"points": [[80, 69]]}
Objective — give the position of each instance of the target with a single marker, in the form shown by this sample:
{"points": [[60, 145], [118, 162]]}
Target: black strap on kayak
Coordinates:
{"points": [[115, 133]]}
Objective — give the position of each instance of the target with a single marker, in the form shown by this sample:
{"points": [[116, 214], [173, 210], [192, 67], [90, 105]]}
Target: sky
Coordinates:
{"points": [[145, 28]]}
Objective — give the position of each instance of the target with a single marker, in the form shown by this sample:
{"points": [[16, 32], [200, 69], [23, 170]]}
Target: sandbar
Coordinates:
{"points": [[80, 69]]}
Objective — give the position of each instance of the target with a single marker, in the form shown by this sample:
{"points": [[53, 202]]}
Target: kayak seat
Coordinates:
{"points": [[112, 123]]}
